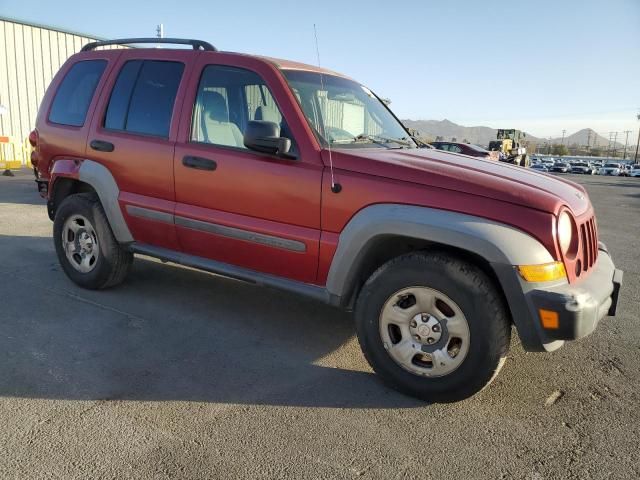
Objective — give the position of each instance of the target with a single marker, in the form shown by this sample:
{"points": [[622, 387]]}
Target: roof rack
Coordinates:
{"points": [[196, 44]]}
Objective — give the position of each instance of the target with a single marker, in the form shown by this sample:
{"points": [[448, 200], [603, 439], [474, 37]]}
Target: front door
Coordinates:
{"points": [[235, 205]]}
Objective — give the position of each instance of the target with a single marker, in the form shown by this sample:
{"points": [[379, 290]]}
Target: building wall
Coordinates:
{"points": [[30, 55]]}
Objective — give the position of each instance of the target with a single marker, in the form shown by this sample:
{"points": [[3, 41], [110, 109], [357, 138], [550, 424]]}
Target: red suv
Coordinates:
{"points": [[293, 177]]}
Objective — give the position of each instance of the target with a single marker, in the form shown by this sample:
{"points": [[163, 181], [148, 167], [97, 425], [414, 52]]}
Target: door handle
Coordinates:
{"points": [[102, 146], [199, 163]]}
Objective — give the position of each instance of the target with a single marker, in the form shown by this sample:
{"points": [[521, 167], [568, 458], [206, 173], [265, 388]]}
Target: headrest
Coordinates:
{"points": [[214, 106]]}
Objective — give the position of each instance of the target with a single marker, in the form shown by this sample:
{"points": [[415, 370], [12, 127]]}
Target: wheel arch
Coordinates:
{"points": [[381, 232], [89, 176], [63, 187]]}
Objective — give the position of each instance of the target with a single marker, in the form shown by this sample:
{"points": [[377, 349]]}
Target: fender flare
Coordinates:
{"points": [[496, 242], [101, 180]]}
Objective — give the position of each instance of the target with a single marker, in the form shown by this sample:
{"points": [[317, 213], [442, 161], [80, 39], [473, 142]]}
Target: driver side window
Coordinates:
{"points": [[228, 98]]}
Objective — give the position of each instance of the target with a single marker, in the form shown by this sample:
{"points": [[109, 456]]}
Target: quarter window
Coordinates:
{"points": [[143, 97], [74, 95]]}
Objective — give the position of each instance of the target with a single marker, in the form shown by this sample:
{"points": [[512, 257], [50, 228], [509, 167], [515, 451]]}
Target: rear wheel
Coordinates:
{"points": [[85, 245], [433, 326]]}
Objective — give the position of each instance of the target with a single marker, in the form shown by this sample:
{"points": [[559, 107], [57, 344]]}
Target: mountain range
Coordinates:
{"points": [[481, 135]]}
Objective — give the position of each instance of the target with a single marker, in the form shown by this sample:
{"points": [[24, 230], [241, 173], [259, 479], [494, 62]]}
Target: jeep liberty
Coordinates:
{"points": [[299, 178]]}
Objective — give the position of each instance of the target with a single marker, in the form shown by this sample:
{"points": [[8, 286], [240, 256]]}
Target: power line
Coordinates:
{"points": [[626, 141]]}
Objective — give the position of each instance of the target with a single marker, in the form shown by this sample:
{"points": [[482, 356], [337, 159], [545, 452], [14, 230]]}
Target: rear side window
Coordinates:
{"points": [[71, 102], [143, 96]]}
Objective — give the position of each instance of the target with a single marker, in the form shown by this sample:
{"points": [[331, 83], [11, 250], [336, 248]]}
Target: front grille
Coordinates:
{"points": [[589, 243]]}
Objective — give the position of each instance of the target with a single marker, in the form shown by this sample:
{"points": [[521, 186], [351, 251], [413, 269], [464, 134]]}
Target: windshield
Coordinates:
{"points": [[612, 165], [476, 148], [345, 113], [580, 165]]}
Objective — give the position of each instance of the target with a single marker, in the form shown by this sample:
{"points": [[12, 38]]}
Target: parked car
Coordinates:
{"points": [[611, 169], [635, 171], [625, 169], [237, 164], [583, 168], [466, 149], [561, 167], [541, 167]]}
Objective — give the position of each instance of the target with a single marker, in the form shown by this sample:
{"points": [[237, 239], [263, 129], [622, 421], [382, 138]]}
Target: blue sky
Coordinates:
{"points": [[541, 66]]}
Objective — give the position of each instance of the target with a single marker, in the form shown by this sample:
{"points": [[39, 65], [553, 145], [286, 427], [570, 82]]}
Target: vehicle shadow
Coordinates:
{"points": [[172, 333]]}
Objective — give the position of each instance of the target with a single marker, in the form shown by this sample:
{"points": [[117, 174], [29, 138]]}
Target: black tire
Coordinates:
{"points": [[475, 295], [113, 262]]}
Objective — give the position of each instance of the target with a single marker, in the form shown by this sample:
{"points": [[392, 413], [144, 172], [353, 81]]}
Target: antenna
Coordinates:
{"points": [[335, 187]]}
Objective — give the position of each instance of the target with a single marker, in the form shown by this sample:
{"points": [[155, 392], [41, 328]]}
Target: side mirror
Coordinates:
{"points": [[263, 136]]}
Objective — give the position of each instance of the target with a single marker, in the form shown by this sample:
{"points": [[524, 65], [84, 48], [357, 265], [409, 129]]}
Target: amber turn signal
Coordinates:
{"points": [[549, 319], [542, 273]]}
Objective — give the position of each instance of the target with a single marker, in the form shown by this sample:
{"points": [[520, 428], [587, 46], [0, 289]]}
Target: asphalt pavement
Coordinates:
{"points": [[182, 374]]}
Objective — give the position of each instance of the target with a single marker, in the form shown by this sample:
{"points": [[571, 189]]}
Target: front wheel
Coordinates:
{"points": [[433, 326]]}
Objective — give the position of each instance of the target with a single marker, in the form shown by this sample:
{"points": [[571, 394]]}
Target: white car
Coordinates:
{"points": [[582, 167], [611, 169], [635, 171]]}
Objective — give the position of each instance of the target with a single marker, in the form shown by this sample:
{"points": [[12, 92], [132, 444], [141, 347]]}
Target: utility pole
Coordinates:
{"points": [[615, 140], [562, 141], [626, 140], [635, 158], [609, 144], [160, 31], [589, 141], [549, 147]]}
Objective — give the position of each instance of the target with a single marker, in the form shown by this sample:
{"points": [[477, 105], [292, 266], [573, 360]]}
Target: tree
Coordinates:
{"points": [[439, 138], [560, 150], [454, 139], [465, 141], [596, 152]]}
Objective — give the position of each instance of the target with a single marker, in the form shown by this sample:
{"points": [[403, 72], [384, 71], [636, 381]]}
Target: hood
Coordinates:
{"points": [[475, 176]]}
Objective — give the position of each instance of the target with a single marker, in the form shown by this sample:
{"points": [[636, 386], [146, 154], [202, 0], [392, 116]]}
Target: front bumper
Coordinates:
{"points": [[579, 306], [576, 308]]}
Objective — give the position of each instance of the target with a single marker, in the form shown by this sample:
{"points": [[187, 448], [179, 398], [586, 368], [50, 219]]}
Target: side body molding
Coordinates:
{"points": [[495, 242], [99, 177]]}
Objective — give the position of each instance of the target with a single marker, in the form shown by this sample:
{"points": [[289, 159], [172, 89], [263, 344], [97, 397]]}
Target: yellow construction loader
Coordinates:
{"points": [[510, 144]]}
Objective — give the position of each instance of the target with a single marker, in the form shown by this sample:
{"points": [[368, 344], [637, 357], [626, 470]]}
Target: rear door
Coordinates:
{"points": [[235, 205], [64, 117], [133, 134]]}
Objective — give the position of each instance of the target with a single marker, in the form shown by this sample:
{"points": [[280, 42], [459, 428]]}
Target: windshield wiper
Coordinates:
{"points": [[382, 140]]}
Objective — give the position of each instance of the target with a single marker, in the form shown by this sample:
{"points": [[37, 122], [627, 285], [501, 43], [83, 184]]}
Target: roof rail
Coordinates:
{"points": [[196, 44]]}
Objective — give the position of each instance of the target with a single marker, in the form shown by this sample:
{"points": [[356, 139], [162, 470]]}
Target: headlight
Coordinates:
{"points": [[565, 232]]}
